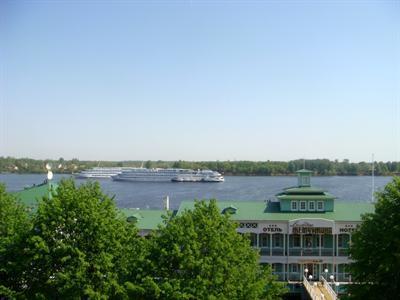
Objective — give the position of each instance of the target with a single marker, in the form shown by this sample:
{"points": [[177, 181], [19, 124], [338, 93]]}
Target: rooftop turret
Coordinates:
{"points": [[304, 197], [304, 177]]}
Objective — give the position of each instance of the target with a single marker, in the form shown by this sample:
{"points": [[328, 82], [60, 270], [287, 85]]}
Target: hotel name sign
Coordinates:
{"points": [[311, 230], [346, 228], [311, 226], [299, 226]]}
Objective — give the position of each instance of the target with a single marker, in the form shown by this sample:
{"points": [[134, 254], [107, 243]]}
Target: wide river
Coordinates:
{"points": [[259, 188]]}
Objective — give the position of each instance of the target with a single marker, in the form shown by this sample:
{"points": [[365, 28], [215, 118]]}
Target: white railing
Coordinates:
{"points": [[308, 287], [315, 291], [311, 290], [328, 288]]}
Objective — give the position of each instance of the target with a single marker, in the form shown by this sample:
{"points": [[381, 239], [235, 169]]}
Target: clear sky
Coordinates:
{"points": [[200, 80]]}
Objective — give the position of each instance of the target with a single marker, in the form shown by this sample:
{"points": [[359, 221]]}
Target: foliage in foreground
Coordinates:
{"points": [[199, 255], [376, 249], [14, 223], [77, 246]]}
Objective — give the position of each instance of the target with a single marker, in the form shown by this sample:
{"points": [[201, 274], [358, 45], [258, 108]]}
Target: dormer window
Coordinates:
{"points": [[311, 205], [305, 180], [229, 210], [303, 206], [320, 205], [293, 206], [132, 219]]}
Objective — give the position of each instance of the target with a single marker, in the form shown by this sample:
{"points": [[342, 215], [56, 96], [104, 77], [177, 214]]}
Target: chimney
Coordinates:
{"points": [[166, 202]]}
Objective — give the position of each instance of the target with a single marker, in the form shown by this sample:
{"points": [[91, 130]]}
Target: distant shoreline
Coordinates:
{"points": [[319, 167], [233, 175]]}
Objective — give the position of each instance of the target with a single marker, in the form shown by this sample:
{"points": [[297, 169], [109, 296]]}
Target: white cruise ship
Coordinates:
{"points": [[177, 175], [200, 176], [99, 172]]}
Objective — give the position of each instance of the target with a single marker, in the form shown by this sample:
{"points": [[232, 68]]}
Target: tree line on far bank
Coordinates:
{"points": [[323, 167]]}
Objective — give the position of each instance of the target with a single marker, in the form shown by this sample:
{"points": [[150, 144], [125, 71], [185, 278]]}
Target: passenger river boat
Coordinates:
{"points": [[171, 174]]}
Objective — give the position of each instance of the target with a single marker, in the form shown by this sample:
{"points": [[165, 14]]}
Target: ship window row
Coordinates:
{"points": [[306, 205]]}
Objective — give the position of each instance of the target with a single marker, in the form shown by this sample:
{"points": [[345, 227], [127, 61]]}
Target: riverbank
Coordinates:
{"points": [[320, 167]]}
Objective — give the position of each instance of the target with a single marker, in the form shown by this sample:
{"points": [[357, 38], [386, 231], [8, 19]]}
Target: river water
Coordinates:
{"points": [[246, 188]]}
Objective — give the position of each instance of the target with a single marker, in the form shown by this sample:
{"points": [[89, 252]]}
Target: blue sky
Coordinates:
{"points": [[200, 80]]}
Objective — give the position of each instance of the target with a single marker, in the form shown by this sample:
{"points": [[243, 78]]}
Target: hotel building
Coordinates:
{"points": [[303, 229]]}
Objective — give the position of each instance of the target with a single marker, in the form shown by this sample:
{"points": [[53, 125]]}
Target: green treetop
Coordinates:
{"points": [[14, 223], [199, 255], [79, 247], [376, 249]]}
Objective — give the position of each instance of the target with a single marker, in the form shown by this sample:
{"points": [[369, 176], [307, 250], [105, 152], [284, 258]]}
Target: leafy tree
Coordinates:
{"points": [[79, 247], [14, 223], [148, 164], [376, 249], [199, 255]]}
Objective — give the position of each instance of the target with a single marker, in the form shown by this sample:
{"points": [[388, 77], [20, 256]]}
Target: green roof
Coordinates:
{"points": [[306, 197], [304, 171], [261, 211], [146, 218], [302, 190], [30, 196]]}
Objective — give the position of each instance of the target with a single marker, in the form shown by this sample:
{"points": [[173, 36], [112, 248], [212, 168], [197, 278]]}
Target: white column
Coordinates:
{"points": [[270, 244], [284, 271], [336, 272], [301, 244], [320, 270], [333, 245], [288, 244], [337, 245], [284, 243], [319, 240]]}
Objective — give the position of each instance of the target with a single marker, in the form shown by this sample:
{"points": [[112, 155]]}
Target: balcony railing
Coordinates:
{"points": [[294, 276], [310, 251], [344, 277], [280, 275], [264, 251], [294, 251], [343, 251], [326, 251], [277, 251]]}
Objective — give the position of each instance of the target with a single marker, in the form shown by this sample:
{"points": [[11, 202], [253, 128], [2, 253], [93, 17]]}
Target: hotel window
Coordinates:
{"points": [[320, 205], [264, 240], [253, 239], [294, 205], [311, 205], [342, 241], [295, 268], [277, 240], [273, 267], [296, 240], [303, 206]]}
